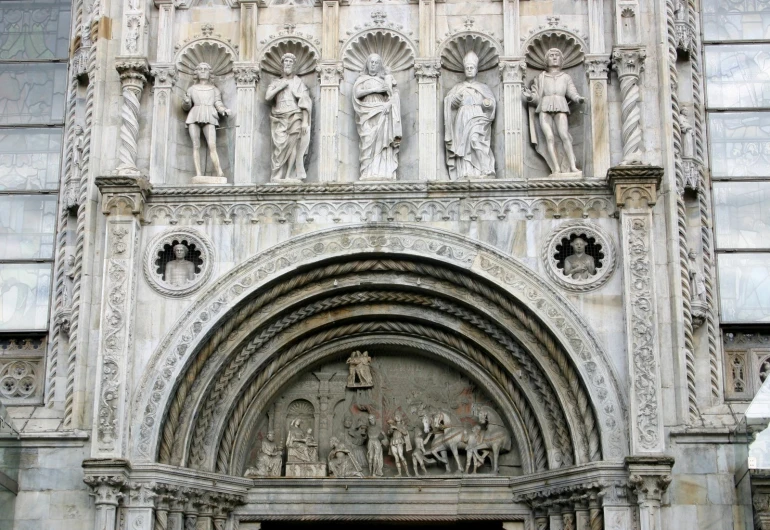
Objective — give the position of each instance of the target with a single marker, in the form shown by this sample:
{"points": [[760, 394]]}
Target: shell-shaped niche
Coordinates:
{"points": [[453, 51], [537, 46], [218, 54], [304, 51], [396, 51]]}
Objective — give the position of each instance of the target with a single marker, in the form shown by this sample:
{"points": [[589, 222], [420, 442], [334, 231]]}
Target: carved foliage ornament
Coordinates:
{"points": [[562, 264], [199, 253]]}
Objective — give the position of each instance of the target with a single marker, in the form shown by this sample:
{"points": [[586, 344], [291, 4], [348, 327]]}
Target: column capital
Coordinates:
{"points": [[123, 195], [628, 60], [329, 73], [164, 75], [649, 476], [142, 494], [132, 69], [427, 69], [597, 66], [635, 186], [246, 74], [106, 478], [512, 69]]}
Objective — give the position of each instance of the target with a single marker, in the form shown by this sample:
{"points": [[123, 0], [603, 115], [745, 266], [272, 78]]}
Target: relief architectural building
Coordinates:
{"points": [[475, 263]]}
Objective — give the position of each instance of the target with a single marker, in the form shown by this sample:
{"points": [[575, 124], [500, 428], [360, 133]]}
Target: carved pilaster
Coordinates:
{"points": [[615, 512], [597, 71], [331, 29], [648, 477], [427, 27], [166, 13], [247, 50], [628, 62], [123, 200], [512, 72], [330, 75], [176, 505], [133, 76], [427, 72], [636, 190], [246, 79], [106, 478], [164, 77], [582, 517], [139, 506]]}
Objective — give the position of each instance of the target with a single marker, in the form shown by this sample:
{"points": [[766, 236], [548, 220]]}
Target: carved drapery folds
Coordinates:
{"points": [[133, 76], [628, 62]]}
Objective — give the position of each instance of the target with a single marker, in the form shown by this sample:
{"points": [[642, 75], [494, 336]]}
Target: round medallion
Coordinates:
{"points": [[178, 262], [579, 256]]}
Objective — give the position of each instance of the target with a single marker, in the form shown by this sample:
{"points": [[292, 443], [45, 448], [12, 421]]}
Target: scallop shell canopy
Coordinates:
{"points": [[218, 55], [570, 45], [306, 54], [397, 54], [454, 51]]}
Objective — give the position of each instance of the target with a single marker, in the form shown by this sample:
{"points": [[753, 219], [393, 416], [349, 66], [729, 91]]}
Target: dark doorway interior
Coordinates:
{"points": [[372, 525]]}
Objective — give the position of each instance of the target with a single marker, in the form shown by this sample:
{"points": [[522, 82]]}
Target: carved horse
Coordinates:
{"points": [[445, 438], [496, 436]]}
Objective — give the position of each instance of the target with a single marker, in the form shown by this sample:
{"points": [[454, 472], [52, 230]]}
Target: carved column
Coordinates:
{"points": [[636, 190], [617, 511], [511, 28], [164, 76], [597, 70], [427, 72], [555, 521], [582, 517], [512, 71], [595, 515], [541, 521], [139, 506], [331, 29], [330, 75], [191, 512], [176, 508], [247, 50], [628, 62], [123, 201], [246, 78], [106, 478], [133, 76], [649, 476]]}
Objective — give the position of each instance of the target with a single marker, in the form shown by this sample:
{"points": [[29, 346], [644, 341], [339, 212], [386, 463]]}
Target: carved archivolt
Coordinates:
{"points": [[208, 47], [599, 247], [303, 49], [453, 49], [396, 50], [202, 257], [571, 44]]}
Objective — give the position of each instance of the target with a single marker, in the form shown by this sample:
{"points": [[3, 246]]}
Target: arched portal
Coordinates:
{"points": [[417, 292]]}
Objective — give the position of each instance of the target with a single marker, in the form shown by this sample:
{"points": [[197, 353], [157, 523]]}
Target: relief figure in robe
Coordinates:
{"points": [[289, 123], [378, 120], [469, 110]]}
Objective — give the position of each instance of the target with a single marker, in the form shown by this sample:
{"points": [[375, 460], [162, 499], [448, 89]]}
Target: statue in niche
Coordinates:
{"points": [[550, 92], [469, 110], [203, 100], [579, 266], [419, 453], [180, 271], [300, 444], [688, 134], [399, 442], [378, 120], [374, 440], [341, 462], [269, 459], [289, 123], [360, 370]]}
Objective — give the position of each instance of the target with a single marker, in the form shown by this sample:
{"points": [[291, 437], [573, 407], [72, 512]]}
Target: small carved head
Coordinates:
{"points": [[372, 419], [270, 436], [288, 60], [347, 421], [374, 65], [555, 57], [471, 63], [180, 251], [578, 245], [203, 71]]}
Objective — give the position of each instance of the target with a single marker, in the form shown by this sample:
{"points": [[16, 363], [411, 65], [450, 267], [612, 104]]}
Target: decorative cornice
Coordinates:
{"points": [[635, 186]]}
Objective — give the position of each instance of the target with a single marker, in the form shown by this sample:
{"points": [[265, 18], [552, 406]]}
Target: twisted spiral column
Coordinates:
{"points": [[629, 64], [133, 77]]}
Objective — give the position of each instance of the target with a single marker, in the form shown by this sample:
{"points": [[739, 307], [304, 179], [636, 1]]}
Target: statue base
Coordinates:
{"points": [[376, 179], [286, 181], [571, 175], [209, 181], [305, 469]]}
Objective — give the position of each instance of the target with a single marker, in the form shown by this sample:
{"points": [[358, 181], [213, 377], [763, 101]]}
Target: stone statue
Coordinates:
{"points": [[269, 459], [298, 448], [355, 436], [473, 455], [289, 123], [550, 91], [180, 271], [418, 454], [378, 120], [579, 266], [341, 462], [204, 103], [469, 110], [697, 285], [688, 134], [374, 438], [399, 440], [360, 370]]}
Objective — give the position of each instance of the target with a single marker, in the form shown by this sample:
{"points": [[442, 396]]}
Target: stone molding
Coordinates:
{"points": [[202, 243], [566, 230], [123, 195], [509, 275], [635, 186]]}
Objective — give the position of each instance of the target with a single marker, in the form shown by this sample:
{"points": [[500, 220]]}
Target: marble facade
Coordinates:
{"points": [[602, 395]]}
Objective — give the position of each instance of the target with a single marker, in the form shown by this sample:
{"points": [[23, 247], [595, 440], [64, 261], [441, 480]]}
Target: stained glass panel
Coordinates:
{"points": [[32, 93], [736, 19], [29, 158], [34, 30], [740, 144], [744, 284], [742, 214], [27, 225], [738, 75], [24, 293]]}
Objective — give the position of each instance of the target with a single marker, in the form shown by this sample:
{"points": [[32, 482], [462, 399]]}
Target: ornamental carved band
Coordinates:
{"points": [[133, 76], [629, 64]]}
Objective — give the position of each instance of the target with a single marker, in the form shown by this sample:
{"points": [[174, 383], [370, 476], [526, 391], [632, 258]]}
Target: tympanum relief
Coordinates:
{"points": [[381, 415]]}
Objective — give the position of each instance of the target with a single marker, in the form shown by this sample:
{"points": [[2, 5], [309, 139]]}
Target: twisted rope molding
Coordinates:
{"points": [[212, 403], [257, 394]]}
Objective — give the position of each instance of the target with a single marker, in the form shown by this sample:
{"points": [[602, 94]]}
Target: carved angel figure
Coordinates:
{"points": [[550, 92], [469, 110], [204, 103], [378, 120]]}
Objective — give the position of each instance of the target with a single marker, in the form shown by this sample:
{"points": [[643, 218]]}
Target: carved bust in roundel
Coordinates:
{"points": [[178, 262]]}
